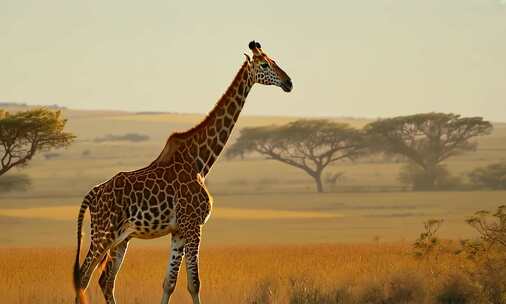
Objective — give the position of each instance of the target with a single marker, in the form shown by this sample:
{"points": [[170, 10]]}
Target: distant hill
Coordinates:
{"points": [[7, 104]]}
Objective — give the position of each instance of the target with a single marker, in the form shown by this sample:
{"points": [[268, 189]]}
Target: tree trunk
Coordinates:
{"points": [[431, 177], [318, 180]]}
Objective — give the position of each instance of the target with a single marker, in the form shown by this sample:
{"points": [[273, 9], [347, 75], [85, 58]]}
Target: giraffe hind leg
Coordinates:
{"points": [[108, 276], [96, 254]]}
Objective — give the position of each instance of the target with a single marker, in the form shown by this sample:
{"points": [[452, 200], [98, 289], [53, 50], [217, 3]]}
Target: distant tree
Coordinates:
{"points": [[133, 137], [10, 182], [426, 140], [51, 155], [23, 134], [492, 176], [310, 145]]}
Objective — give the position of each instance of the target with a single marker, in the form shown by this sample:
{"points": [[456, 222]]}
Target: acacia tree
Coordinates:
{"points": [[427, 139], [22, 134], [310, 145]]}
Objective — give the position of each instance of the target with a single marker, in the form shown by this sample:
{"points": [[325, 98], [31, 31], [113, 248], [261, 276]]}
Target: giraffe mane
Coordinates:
{"points": [[205, 121]]}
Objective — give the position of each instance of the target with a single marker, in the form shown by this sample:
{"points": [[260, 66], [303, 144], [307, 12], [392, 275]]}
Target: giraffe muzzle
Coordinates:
{"points": [[287, 85]]}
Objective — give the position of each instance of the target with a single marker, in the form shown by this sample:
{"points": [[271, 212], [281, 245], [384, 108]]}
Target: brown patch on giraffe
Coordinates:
{"points": [[184, 177], [211, 132], [120, 181], [194, 187], [232, 108], [204, 153], [128, 188], [189, 209], [215, 146], [159, 172], [149, 183], [193, 149], [153, 201], [155, 189], [219, 123], [138, 186], [227, 121], [240, 90], [161, 196], [223, 136], [169, 175]]}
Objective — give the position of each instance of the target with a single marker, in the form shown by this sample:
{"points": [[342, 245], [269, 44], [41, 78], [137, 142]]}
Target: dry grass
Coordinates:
{"points": [[238, 274]]}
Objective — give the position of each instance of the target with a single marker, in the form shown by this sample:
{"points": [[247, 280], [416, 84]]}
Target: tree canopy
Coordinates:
{"points": [[310, 145], [427, 139], [22, 134]]}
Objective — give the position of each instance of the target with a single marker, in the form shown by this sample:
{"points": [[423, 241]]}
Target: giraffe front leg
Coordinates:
{"points": [[169, 283], [191, 251]]}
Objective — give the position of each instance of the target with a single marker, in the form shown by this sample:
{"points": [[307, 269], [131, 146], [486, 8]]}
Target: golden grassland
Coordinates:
{"points": [[278, 218], [232, 274], [262, 208]]}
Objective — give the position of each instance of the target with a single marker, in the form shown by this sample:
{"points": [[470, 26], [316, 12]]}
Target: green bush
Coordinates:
{"points": [[492, 176], [414, 176]]}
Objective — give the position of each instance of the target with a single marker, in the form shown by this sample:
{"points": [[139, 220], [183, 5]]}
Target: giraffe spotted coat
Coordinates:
{"points": [[169, 195]]}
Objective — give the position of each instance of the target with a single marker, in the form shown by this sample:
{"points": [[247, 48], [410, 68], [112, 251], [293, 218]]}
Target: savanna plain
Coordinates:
{"points": [[270, 239]]}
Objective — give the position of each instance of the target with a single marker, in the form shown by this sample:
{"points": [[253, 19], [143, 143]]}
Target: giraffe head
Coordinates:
{"points": [[266, 71]]}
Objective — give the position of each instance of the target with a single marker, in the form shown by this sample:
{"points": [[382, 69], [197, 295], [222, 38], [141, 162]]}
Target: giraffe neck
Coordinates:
{"points": [[221, 120], [204, 142]]}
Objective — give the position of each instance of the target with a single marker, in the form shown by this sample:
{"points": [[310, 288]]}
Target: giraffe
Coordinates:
{"points": [[169, 195]]}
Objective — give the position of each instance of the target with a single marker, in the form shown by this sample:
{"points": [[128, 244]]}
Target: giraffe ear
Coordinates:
{"points": [[252, 45], [247, 57], [258, 45]]}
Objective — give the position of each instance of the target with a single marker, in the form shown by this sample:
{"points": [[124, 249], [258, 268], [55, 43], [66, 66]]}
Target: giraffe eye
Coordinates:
{"points": [[264, 65]]}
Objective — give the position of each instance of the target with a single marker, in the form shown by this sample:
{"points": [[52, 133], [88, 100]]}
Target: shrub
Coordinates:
{"points": [[399, 288], [428, 244], [489, 253], [404, 288], [458, 289], [492, 176], [414, 176], [14, 183], [132, 137]]}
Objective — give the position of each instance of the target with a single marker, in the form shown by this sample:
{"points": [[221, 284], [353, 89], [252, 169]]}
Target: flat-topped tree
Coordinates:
{"points": [[25, 133], [427, 140], [310, 145]]}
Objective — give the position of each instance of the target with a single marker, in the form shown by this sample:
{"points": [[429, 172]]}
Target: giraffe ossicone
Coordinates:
{"points": [[169, 195]]}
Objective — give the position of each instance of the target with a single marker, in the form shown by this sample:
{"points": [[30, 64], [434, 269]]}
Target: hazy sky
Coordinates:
{"points": [[346, 58]]}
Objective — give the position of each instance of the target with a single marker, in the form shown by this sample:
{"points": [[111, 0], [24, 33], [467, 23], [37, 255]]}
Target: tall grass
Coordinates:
{"points": [[362, 273]]}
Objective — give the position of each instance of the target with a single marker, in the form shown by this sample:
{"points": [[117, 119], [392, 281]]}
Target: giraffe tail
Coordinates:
{"points": [[77, 271]]}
